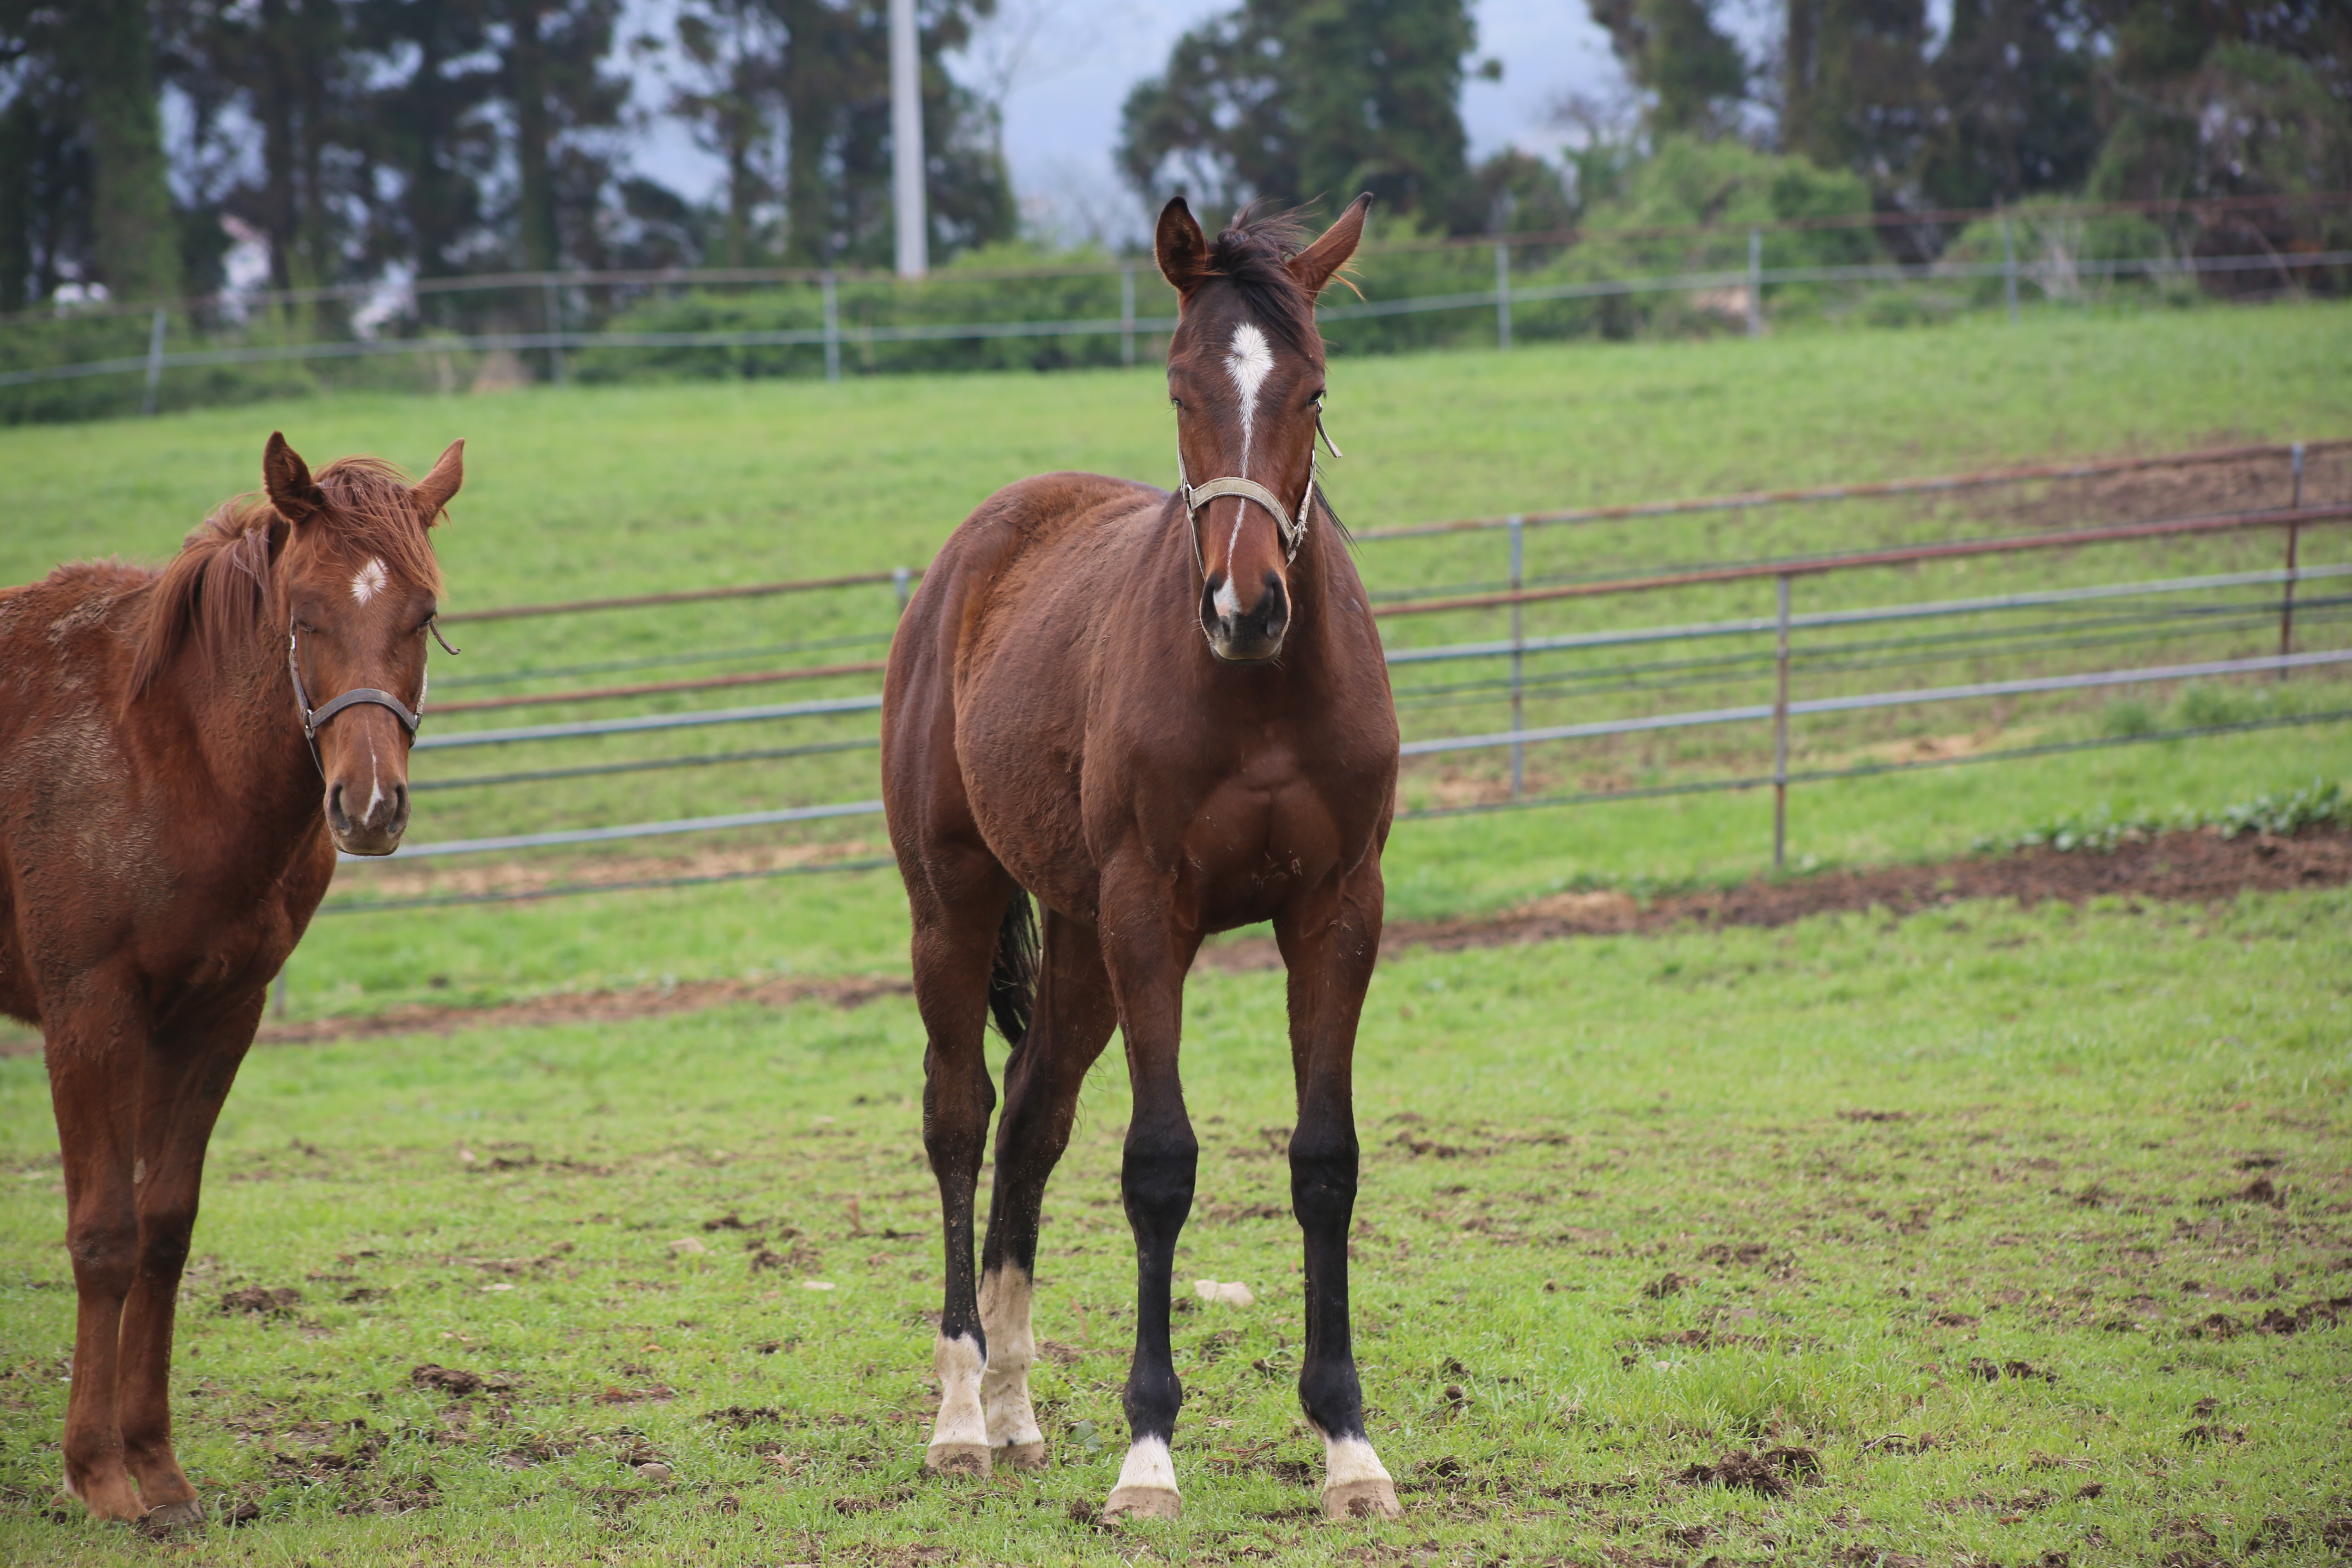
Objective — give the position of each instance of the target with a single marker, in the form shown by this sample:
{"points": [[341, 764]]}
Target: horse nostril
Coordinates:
{"points": [[335, 813]]}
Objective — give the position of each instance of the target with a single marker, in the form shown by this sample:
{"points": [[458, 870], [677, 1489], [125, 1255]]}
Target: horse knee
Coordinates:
{"points": [[1323, 1179], [1156, 1181], [164, 1244], [105, 1258]]}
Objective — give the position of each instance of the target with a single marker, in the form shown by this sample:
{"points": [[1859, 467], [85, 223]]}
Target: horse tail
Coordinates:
{"points": [[1013, 982]]}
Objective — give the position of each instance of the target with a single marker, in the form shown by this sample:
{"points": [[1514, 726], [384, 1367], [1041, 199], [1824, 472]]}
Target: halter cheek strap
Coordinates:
{"points": [[1293, 528], [315, 718]]}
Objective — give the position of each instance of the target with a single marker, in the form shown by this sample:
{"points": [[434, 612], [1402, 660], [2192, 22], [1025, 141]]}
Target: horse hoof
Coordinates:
{"points": [[1141, 1502], [173, 1515], [1022, 1456], [1362, 1500], [957, 1459]]}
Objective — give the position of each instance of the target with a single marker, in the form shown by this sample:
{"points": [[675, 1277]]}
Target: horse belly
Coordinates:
{"points": [[1024, 796]]}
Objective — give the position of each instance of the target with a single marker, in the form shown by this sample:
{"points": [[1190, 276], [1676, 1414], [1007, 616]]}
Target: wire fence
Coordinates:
{"points": [[2064, 623], [494, 329]]}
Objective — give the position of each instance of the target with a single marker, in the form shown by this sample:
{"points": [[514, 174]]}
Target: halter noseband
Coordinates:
{"points": [[315, 718], [1293, 529]]}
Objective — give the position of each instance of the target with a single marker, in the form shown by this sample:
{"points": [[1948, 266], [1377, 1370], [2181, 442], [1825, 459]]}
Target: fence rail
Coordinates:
{"points": [[833, 336], [2293, 518]]}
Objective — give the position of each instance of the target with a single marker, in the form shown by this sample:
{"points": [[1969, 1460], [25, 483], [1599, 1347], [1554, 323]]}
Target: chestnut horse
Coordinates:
{"points": [[163, 841], [1163, 716]]}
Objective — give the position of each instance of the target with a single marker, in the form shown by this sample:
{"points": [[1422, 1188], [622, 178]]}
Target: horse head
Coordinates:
{"points": [[1246, 373], [359, 590]]}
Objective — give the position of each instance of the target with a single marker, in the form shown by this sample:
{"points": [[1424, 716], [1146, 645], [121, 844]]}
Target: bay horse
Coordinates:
{"points": [[171, 805], [1163, 715]]}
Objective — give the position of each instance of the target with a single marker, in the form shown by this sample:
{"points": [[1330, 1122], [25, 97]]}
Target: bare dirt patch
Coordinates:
{"points": [[2198, 868]]}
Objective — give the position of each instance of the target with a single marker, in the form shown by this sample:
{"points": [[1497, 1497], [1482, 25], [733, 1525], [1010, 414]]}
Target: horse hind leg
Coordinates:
{"points": [[1071, 1022], [954, 949]]}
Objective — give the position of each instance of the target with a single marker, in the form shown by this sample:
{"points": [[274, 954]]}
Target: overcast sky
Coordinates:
{"points": [[1063, 67]]}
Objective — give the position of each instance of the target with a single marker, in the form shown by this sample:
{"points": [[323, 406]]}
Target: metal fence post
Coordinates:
{"points": [[832, 327], [2009, 266], [1518, 526], [277, 994], [1755, 282], [2293, 538], [900, 578], [1127, 315], [1502, 294], [555, 367], [1781, 737], [155, 364]]}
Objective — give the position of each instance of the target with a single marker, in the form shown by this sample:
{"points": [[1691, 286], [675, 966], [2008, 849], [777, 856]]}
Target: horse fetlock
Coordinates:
{"points": [[1011, 1351], [1356, 1485], [1147, 1483], [103, 1487], [960, 1442]]}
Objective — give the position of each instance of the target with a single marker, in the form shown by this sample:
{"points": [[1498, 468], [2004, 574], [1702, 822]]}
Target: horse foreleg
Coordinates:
{"points": [[954, 949], [1156, 1180], [1331, 950], [94, 1051], [1071, 1023], [187, 1080]]}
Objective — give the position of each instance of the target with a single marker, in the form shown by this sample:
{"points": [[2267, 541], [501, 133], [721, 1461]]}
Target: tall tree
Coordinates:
{"points": [[2017, 115], [557, 90], [108, 48], [1854, 92], [425, 125], [837, 94], [739, 50], [45, 173], [1293, 100], [1692, 71]]}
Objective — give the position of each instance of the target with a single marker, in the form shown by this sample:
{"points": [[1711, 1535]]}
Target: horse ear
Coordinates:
{"points": [[1316, 266], [287, 478], [1180, 247], [433, 491]]}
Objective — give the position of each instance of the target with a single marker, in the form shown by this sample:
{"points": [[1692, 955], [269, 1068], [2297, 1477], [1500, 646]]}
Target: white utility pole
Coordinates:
{"points": [[906, 141]]}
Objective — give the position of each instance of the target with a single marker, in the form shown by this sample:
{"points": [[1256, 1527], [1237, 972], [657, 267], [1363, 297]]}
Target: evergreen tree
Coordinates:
{"points": [[1298, 101], [556, 92], [1671, 49], [426, 126], [108, 46], [1854, 92], [2013, 85]]}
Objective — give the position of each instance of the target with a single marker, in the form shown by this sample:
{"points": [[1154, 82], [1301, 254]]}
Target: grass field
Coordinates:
{"points": [[586, 492], [2029, 1227], [1869, 1164]]}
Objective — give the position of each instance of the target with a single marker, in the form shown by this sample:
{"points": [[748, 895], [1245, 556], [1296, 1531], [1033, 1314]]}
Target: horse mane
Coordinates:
{"points": [[225, 578], [1253, 254]]}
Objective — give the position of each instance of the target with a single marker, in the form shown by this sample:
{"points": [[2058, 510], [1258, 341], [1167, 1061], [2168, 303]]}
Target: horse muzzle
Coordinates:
{"points": [[1239, 634], [369, 823]]}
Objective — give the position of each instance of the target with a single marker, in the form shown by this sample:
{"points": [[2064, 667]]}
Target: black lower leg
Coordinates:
{"points": [[1157, 1181], [1323, 1158], [956, 1107]]}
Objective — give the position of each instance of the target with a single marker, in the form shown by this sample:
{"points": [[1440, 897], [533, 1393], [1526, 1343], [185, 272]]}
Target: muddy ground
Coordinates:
{"points": [[2196, 868]]}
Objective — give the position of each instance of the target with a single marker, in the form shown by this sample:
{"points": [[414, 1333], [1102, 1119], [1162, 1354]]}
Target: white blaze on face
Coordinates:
{"points": [[368, 581], [1249, 363]]}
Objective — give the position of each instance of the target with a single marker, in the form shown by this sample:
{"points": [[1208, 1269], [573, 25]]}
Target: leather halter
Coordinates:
{"points": [[315, 718], [1293, 529]]}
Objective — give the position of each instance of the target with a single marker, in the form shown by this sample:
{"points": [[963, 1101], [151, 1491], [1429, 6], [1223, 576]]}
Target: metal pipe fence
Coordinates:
{"points": [[1786, 659], [2055, 275]]}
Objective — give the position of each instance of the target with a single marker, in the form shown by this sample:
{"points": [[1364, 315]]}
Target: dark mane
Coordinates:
{"points": [[225, 579], [1253, 254]]}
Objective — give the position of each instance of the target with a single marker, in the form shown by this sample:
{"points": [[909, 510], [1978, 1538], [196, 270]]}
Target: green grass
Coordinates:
{"points": [[2080, 1098], [588, 491]]}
